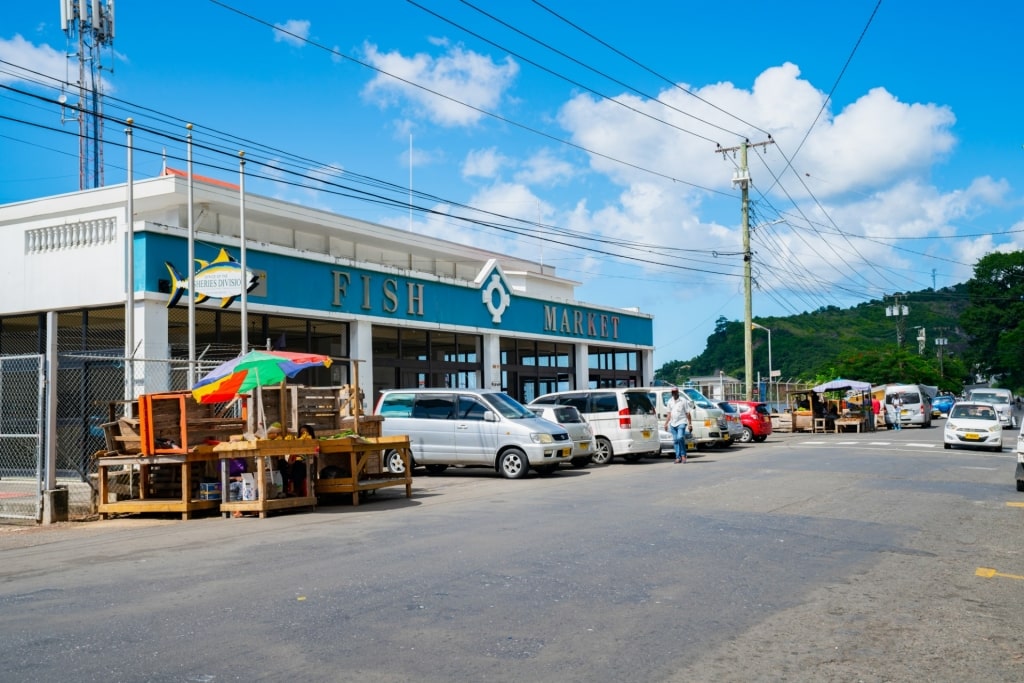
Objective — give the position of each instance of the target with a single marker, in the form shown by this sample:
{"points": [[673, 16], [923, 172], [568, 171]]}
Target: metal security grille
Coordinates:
{"points": [[22, 382]]}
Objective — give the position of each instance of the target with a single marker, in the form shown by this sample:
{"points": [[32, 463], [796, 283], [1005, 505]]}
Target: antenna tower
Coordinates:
{"points": [[90, 24]]}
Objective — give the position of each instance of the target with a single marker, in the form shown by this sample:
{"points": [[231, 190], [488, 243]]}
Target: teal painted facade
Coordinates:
{"points": [[331, 288]]}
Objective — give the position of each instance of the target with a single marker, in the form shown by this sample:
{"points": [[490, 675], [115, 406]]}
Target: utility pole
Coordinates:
{"points": [[742, 178], [898, 311], [941, 343]]}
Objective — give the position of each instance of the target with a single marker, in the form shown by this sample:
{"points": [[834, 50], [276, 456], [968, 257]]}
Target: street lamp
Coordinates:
{"points": [[755, 326]]}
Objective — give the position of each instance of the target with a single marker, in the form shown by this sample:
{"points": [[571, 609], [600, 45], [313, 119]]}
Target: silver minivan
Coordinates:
{"points": [[471, 427], [624, 421]]}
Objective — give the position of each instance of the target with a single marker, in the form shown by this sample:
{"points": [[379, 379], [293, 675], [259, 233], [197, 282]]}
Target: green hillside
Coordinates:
{"points": [[858, 342]]}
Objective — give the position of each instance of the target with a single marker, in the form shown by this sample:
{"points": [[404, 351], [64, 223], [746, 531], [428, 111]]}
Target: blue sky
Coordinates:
{"points": [[588, 131]]}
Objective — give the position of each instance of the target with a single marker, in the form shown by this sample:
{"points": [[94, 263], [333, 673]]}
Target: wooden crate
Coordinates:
{"points": [[174, 423], [323, 408]]}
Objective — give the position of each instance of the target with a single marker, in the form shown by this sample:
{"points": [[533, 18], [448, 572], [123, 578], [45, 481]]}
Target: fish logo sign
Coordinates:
{"points": [[220, 278]]}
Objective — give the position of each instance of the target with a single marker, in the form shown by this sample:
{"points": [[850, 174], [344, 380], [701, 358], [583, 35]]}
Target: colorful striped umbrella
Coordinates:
{"points": [[255, 369]]}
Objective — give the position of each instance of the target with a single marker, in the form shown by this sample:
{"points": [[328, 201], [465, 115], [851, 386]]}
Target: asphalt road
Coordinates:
{"points": [[870, 557]]}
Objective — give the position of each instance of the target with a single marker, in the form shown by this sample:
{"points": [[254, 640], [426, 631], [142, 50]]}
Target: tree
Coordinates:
{"points": [[994, 319]]}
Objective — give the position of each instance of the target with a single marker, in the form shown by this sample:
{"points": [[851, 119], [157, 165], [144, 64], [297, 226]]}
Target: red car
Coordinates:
{"points": [[757, 421]]}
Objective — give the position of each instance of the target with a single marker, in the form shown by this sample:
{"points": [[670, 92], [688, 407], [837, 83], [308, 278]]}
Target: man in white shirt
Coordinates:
{"points": [[678, 422]]}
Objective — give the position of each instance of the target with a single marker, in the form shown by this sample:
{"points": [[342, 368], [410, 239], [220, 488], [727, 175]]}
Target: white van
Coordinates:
{"points": [[707, 420], [917, 403], [623, 419], [474, 427], [1002, 399]]}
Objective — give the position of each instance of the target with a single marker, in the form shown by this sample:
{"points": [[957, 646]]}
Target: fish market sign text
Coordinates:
{"points": [[566, 320], [393, 295]]}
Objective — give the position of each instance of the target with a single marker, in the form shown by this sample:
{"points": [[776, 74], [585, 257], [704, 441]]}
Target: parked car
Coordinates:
{"points": [[707, 421], [1019, 476], [668, 445], [579, 430], [733, 424], [917, 403], [1002, 399], [623, 420], [973, 424], [757, 421], [941, 405], [471, 427]]}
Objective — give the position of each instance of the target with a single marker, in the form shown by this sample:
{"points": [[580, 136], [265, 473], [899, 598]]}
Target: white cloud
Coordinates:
{"points": [[543, 168], [459, 77], [483, 163], [41, 58], [872, 142], [295, 32]]}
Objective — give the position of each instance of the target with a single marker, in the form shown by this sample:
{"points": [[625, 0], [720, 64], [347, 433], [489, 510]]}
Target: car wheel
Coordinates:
{"points": [[761, 438], [602, 451], [436, 469], [580, 463], [546, 470], [393, 462], [703, 446], [725, 444], [1020, 484], [512, 464], [947, 446], [632, 457], [747, 436]]}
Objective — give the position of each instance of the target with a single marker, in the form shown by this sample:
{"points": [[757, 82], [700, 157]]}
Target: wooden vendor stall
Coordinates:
{"points": [[261, 458], [155, 483], [151, 464], [354, 463]]}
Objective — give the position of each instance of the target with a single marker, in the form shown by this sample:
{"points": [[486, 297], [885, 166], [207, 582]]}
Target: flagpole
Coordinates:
{"points": [[129, 301], [245, 271], [191, 271]]}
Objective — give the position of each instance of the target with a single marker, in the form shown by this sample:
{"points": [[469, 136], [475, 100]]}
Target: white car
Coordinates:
{"points": [[1002, 399], [579, 430], [1020, 459], [974, 425], [668, 445]]}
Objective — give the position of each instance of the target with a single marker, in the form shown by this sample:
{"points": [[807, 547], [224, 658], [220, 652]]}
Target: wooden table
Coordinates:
{"points": [[260, 455], [843, 422], [359, 461], [145, 502]]}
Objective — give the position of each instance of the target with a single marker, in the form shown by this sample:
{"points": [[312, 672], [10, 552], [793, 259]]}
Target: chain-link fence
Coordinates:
{"points": [[91, 390], [21, 436]]}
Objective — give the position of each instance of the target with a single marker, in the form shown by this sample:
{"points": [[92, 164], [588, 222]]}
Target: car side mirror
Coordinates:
{"points": [[489, 416]]}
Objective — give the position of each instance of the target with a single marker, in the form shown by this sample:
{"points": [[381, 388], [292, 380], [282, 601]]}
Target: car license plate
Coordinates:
{"points": [[585, 445], [647, 433], [566, 452], [972, 437]]}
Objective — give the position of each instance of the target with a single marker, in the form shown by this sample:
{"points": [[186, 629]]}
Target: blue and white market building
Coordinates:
{"points": [[410, 310]]}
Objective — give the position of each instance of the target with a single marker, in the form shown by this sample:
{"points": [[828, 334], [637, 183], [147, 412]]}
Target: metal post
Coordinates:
{"points": [[191, 271], [244, 269], [129, 285]]}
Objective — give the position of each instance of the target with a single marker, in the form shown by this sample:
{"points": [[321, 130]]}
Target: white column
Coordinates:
{"points": [[151, 376], [647, 359], [492, 363], [582, 365], [360, 347]]}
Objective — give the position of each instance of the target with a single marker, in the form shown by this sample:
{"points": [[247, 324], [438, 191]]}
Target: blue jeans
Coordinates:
{"points": [[679, 439]]}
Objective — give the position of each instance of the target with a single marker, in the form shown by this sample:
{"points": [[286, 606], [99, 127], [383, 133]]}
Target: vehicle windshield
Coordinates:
{"points": [[972, 412], [990, 397], [508, 407], [699, 399]]}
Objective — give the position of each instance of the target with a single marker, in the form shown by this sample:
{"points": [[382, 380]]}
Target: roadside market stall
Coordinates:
{"points": [[849, 407]]}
